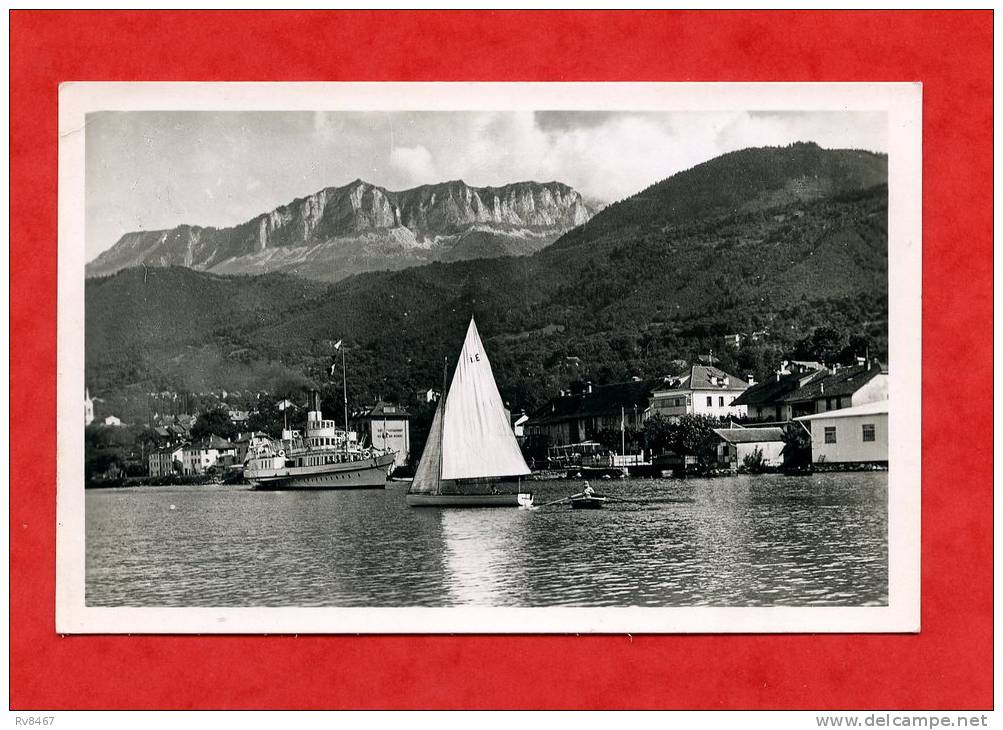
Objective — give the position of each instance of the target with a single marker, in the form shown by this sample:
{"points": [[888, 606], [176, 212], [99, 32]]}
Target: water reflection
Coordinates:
{"points": [[743, 541]]}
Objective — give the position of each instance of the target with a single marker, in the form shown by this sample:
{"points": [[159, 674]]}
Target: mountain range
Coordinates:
{"points": [[340, 231], [783, 239]]}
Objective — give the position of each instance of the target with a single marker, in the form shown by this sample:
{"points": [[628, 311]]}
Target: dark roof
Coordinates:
{"points": [[750, 435], [168, 449], [846, 381], [604, 400], [700, 377], [384, 410], [773, 389], [249, 436], [214, 442]]}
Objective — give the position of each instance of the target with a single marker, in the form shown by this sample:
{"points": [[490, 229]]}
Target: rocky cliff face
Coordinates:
{"points": [[361, 227]]}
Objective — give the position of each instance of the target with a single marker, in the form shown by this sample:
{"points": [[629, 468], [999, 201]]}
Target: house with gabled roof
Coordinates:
{"points": [[387, 426], [704, 390], [165, 461], [211, 452], [738, 443], [578, 414], [854, 435], [837, 388], [763, 400]]}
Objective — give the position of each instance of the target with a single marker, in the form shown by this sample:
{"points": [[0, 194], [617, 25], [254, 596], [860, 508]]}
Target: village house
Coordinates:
{"points": [[210, 452], [852, 435], [388, 427], [248, 443], [165, 461], [112, 421], [237, 416], [802, 388], [705, 390], [739, 443], [580, 413], [427, 395], [837, 388], [763, 400], [518, 421]]}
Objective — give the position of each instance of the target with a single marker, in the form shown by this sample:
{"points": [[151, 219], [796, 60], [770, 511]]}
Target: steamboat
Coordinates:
{"points": [[324, 457]]}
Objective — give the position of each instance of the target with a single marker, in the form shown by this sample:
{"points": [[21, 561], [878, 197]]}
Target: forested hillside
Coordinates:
{"points": [[786, 246]]}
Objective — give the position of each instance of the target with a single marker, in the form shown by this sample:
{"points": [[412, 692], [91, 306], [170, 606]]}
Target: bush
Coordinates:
{"points": [[754, 463]]}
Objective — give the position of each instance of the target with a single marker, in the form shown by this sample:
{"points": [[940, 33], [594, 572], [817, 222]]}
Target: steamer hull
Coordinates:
{"points": [[369, 473]]}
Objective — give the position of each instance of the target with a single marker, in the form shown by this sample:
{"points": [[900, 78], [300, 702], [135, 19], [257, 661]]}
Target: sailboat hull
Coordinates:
{"points": [[521, 499]]}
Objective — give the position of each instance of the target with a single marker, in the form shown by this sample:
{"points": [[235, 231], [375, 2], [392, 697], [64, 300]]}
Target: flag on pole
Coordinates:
{"points": [[337, 345]]}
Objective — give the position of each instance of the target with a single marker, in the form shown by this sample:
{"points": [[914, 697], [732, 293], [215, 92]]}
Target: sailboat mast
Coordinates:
{"points": [[442, 419]]}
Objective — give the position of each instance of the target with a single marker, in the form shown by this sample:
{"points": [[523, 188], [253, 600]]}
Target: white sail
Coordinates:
{"points": [[477, 438], [426, 477]]}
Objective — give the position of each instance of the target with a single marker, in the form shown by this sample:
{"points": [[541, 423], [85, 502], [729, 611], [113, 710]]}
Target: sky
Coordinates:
{"points": [[158, 169]]}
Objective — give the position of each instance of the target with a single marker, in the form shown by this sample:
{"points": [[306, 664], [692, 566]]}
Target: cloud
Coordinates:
{"points": [[415, 163], [159, 169]]}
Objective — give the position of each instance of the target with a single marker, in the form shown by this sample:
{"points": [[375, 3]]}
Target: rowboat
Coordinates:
{"points": [[595, 501]]}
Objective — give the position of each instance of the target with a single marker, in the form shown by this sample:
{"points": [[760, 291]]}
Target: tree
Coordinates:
{"points": [[694, 435], [266, 417], [858, 346], [658, 432], [824, 345], [797, 446], [213, 422]]}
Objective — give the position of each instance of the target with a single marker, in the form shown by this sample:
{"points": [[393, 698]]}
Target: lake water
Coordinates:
{"points": [[736, 541]]}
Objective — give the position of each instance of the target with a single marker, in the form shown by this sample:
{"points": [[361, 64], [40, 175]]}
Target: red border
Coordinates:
{"points": [[948, 665]]}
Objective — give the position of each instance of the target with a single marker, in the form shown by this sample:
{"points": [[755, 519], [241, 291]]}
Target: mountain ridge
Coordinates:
{"points": [[338, 231]]}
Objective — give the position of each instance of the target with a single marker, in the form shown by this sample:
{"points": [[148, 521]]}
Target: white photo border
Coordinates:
{"points": [[902, 102]]}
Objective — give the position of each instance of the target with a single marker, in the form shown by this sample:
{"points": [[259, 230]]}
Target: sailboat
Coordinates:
{"points": [[471, 458]]}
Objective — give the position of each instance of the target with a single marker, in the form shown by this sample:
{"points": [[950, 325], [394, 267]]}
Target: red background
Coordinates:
{"points": [[947, 665]]}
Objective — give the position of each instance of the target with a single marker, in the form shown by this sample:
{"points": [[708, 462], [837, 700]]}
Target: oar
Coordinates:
{"points": [[558, 501]]}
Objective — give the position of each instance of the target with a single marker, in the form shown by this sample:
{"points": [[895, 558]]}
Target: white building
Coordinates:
{"points": [[519, 425], [388, 427], [88, 408], [849, 435], [112, 421], [161, 462], [704, 390], [427, 395], [738, 443], [213, 451], [249, 442]]}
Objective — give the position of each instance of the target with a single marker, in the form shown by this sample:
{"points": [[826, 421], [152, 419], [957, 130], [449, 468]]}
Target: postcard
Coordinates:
{"points": [[489, 357]]}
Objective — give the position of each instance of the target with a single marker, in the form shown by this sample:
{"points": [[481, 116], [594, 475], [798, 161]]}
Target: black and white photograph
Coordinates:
{"points": [[489, 357]]}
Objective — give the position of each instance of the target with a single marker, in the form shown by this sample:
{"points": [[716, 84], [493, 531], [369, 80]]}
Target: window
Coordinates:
{"points": [[720, 401], [868, 431], [830, 434], [710, 401]]}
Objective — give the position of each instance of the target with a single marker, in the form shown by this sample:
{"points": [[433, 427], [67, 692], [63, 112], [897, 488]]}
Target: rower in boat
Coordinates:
{"points": [[588, 499]]}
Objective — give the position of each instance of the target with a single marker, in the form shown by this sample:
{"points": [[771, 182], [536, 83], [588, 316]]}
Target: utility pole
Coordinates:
{"points": [[344, 390], [623, 434]]}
